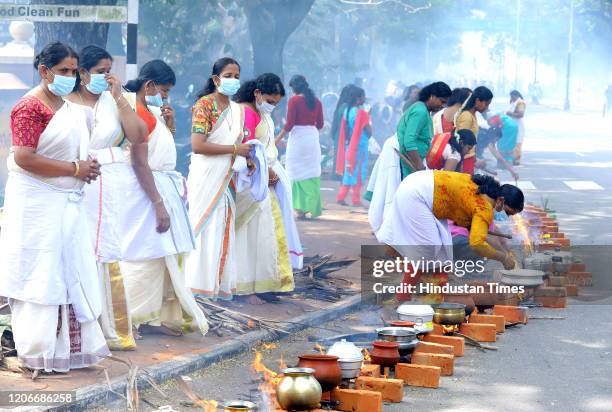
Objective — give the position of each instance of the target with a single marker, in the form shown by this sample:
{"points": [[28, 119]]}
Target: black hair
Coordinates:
{"points": [[459, 96], [354, 95], [300, 86], [482, 93], [438, 89], [53, 53], [463, 137], [513, 196], [516, 93], [267, 83], [88, 58], [217, 68], [342, 101], [157, 71]]}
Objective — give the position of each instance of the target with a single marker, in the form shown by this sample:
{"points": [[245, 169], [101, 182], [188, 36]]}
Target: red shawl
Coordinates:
{"points": [[434, 157], [350, 155]]}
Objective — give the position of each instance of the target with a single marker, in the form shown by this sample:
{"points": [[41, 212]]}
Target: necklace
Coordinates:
{"points": [[49, 98]]}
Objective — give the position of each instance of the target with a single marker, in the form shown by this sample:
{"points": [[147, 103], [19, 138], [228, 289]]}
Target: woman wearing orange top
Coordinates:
{"points": [[153, 220], [426, 199], [479, 101], [444, 120]]}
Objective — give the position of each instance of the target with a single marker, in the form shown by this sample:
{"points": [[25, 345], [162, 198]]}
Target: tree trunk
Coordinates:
{"points": [[271, 22], [76, 35]]}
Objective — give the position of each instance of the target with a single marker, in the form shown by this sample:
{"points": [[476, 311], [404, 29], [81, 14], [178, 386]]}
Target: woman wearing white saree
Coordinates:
{"points": [[216, 139], [115, 124], [152, 219], [47, 265], [267, 241]]}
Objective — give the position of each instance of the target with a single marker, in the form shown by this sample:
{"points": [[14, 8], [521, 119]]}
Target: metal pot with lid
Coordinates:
{"points": [[421, 315], [405, 337], [349, 356]]}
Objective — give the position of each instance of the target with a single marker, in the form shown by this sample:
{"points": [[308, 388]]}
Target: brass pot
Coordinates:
{"points": [[448, 313], [239, 406], [298, 390]]}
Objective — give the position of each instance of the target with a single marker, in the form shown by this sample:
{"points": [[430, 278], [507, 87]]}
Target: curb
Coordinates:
{"points": [[98, 394]]}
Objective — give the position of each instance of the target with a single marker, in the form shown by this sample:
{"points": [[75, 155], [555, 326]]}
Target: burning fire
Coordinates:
{"points": [[209, 406], [281, 363], [271, 380], [523, 230], [269, 346], [320, 348], [449, 329], [366, 355]]}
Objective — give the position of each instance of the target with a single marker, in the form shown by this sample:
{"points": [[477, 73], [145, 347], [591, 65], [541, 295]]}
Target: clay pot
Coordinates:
{"points": [[385, 354], [402, 324], [326, 367]]}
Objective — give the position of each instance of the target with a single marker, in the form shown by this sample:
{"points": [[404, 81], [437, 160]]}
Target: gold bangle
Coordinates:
{"points": [[77, 168], [123, 106], [158, 201], [235, 150]]}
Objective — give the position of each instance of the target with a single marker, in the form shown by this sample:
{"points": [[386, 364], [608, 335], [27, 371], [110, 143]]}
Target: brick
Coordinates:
{"points": [[571, 290], [498, 320], [392, 390], [563, 243], [353, 400], [370, 370], [482, 332], [552, 291], [554, 302], [444, 362], [557, 235], [513, 314], [437, 330], [424, 376], [430, 347], [580, 278], [457, 342], [577, 267], [557, 281]]}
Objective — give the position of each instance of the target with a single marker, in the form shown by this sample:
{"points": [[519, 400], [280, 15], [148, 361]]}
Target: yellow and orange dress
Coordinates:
{"points": [[416, 225]]}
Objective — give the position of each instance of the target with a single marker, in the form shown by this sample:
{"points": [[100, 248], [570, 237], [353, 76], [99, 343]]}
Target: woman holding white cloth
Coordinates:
{"points": [[268, 245], [47, 266]]}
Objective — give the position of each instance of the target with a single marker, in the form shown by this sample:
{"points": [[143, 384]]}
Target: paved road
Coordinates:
{"points": [[547, 365]]}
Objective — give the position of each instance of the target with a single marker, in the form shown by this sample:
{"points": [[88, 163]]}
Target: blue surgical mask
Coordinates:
{"points": [[228, 86], [62, 85], [97, 83], [155, 101], [265, 107]]}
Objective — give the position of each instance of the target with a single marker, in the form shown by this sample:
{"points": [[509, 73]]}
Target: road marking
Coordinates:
{"points": [[582, 185], [522, 184], [327, 189], [580, 154]]}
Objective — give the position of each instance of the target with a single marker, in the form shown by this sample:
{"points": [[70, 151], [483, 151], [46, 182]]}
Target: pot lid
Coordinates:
{"points": [[345, 351], [415, 310]]}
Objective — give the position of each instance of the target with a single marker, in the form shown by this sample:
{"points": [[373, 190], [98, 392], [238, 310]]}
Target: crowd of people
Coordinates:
{"points": [[104, 241]]}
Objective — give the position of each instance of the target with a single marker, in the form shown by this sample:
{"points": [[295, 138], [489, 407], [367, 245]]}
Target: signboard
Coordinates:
{"points": [[69, 13]]}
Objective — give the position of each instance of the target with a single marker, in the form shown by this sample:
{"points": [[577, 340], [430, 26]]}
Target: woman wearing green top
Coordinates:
{"points": [[415, 128]]}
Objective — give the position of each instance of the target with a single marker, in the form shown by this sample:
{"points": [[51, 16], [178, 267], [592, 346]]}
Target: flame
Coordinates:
{"points": [[320, 348], [523, 230], [269, 346], [449, 329], [281, 363], [366, 355], [209, 406], [271, 380]]}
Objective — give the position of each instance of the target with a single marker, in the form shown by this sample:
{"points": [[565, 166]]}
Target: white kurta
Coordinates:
{"points": [[46, 261], [211, 268]]}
